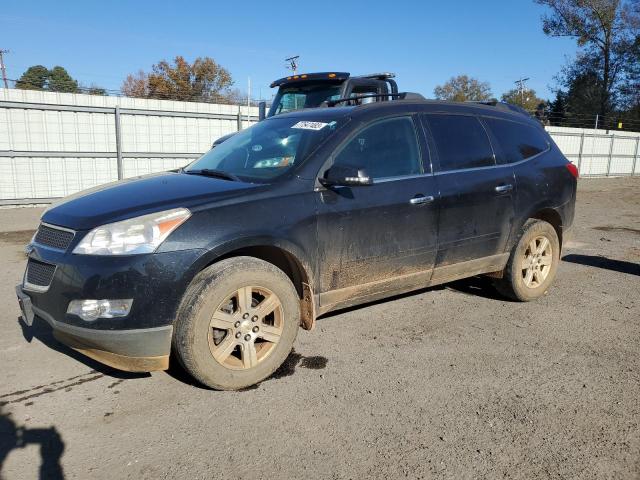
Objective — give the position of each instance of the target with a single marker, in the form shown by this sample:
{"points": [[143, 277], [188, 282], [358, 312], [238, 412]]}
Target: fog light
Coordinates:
{"points": [[90, 310]]}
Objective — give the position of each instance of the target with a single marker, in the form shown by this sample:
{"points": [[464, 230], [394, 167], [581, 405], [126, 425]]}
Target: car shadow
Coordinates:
{"points": [[177, 372], [478, 287], [43, 332], [603, 262], [49, 440]]}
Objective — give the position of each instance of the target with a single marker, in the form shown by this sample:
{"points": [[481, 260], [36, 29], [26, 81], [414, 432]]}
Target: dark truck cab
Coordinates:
{"points": [[311, 90]]}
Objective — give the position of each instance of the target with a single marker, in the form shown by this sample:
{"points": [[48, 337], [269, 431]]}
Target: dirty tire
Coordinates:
{"points": [[514, 281], [208, 290]]}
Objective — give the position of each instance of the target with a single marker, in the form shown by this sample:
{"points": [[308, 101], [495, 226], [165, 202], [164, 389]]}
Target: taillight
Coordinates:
{"points": [[573, 170]]}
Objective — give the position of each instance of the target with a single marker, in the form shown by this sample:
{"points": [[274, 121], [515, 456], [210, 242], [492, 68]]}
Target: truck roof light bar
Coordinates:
{"points": [[378, 76], [329, 76]]}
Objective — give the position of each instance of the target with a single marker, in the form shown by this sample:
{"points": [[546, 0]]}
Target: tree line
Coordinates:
{"points": [[202, 80], [603, 79], [57, 79]]}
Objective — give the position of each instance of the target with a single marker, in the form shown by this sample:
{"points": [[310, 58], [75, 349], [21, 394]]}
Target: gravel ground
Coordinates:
{"points": [[449, 382]]}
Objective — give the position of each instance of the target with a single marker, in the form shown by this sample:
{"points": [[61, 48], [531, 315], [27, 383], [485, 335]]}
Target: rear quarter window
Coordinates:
{"points": [[516, 141]]}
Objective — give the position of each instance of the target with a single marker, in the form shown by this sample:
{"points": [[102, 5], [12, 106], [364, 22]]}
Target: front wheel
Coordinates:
{"points": [[533, 262], [236, 323]]}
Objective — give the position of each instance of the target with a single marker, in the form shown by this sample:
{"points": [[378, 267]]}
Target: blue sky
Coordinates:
{"points": [[423, 42]]}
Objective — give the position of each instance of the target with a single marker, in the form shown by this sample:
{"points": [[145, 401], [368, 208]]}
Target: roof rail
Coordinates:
{"points": [[399, 96], [501, 105], [492, 103]]}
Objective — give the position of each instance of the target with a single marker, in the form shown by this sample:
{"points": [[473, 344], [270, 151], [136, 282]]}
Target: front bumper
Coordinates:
{"points": [[139, 342], [155, 282], [134, 350]]}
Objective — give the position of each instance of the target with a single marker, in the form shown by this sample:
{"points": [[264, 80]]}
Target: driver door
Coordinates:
{"points": [[380, 237]]}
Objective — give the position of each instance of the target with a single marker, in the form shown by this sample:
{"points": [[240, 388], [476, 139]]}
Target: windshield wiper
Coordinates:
{"points": [[210, 172]]}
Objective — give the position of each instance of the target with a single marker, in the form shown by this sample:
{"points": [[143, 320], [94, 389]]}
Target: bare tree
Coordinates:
{"points": [[203, 80], [135, 85]]}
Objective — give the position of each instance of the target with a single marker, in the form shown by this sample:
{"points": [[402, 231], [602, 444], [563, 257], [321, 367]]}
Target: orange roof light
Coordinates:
{"points": [[332, 75], [303, 76], [295, 77]]}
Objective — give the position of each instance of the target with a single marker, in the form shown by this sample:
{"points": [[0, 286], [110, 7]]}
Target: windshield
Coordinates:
{"points": [[267, 149], [297, 98]]}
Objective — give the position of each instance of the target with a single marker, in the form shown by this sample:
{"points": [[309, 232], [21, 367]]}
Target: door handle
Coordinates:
{"points": [[421, 199], [504, 188]]}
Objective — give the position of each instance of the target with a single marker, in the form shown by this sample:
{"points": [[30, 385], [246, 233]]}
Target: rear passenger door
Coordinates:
{"points": [[516, 142], [476, 205]]}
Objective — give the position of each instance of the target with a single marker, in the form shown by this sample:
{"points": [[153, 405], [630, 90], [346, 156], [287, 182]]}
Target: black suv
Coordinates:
{"points": [[219, 264]]}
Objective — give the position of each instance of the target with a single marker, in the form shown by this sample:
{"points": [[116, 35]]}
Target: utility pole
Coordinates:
{"points": [[293, 63], [521, 88], [4, 71]]}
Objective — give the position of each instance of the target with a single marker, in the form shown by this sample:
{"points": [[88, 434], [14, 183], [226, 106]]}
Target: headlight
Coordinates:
{"points": [[134, 236]]}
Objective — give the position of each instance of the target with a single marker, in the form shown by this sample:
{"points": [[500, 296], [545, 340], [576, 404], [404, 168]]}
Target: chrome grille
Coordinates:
{"points": [[53, 237], [39, 274]]}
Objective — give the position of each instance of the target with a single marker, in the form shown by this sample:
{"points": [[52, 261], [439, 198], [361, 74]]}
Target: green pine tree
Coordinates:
{"points": [[35, 78], [61, 81]]}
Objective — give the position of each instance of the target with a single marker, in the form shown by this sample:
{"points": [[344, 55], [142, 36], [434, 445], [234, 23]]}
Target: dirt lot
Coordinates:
{"points": [[449, 382]]}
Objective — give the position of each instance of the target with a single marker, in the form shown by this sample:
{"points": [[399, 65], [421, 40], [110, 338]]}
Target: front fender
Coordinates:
{"points": [[227, 247]]}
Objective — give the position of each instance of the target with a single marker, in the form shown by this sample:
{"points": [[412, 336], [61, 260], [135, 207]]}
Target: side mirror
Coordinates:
{"points": [[262, 111], [346, 175]]}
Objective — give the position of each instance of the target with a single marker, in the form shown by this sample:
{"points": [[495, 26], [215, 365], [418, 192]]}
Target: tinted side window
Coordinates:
{"points": [[517, 140], [385, 149], [461, 142]]}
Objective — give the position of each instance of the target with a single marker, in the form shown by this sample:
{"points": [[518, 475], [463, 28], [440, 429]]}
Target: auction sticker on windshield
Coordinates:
{"points": [[310, 125]]}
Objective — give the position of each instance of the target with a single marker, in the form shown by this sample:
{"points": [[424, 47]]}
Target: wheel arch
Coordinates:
{"points": [[548, 214], [552, 217], [285, 256]]}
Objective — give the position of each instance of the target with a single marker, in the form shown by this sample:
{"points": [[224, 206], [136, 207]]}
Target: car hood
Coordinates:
{"points": [[138, 196]]}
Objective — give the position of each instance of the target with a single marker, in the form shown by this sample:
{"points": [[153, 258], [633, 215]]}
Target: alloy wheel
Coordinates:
{"points": [[536, 263], [246, 327]]}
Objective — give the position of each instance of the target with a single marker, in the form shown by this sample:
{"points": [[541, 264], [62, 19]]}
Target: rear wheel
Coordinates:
{"points": [[237, 323], [532, 264]]}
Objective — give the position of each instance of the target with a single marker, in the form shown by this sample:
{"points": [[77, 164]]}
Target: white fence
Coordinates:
{"points": [[55, 144], [599, 153]]}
